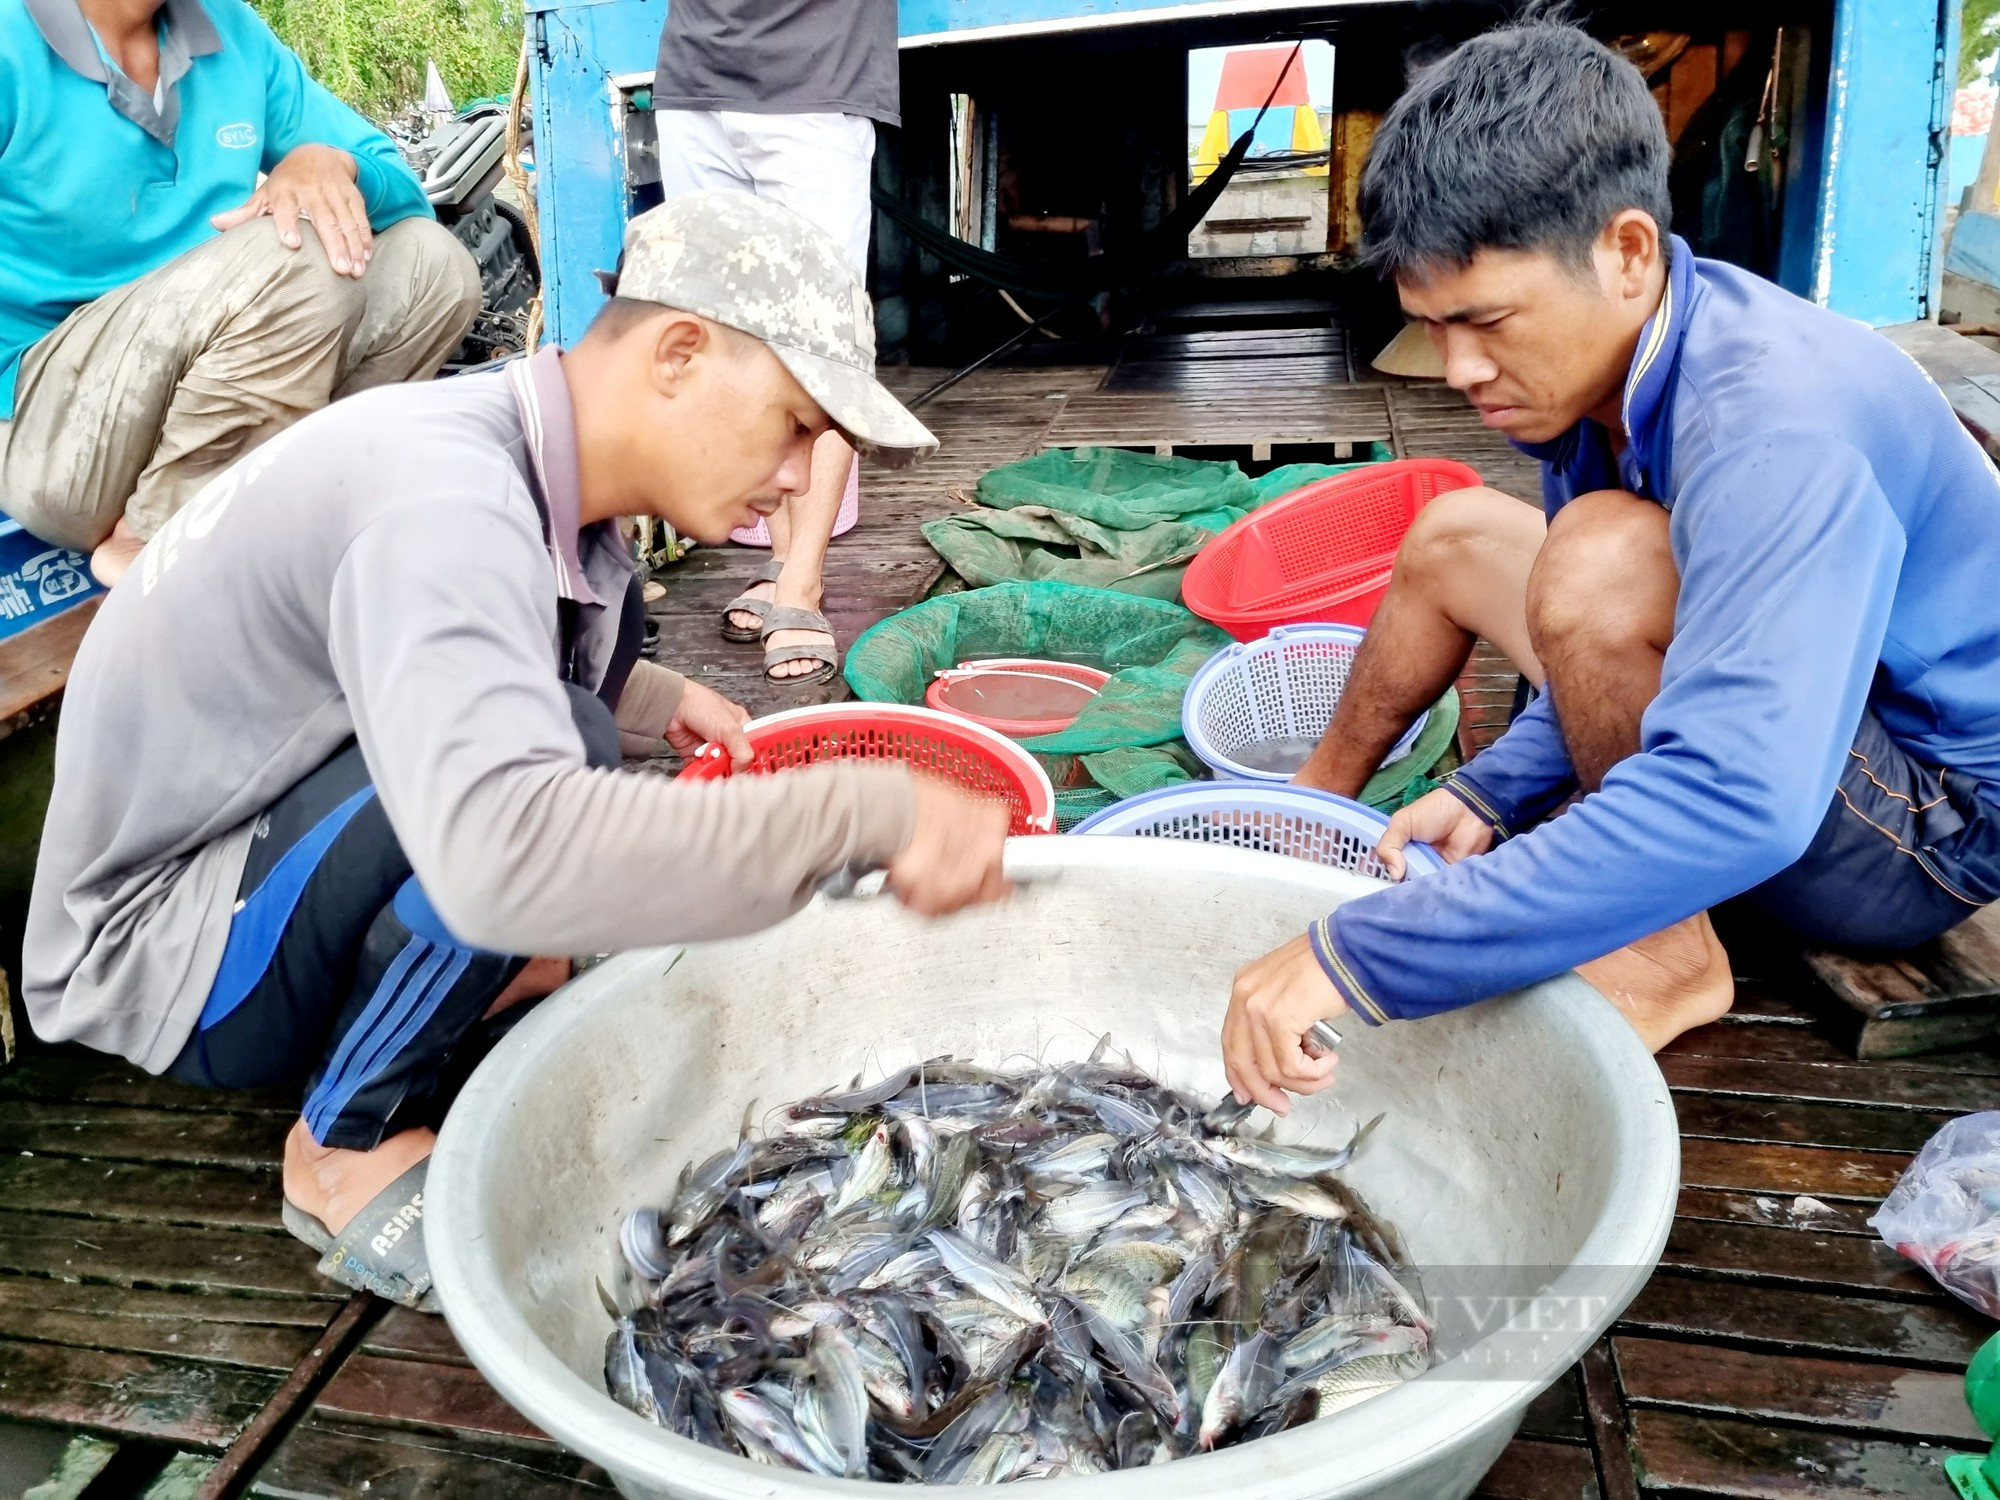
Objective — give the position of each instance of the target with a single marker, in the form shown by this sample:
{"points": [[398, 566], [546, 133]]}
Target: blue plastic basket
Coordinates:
{"points": [[1294, 820], [1281, 687]]}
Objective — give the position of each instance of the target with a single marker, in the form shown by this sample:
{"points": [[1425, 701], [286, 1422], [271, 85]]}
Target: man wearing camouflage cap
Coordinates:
{"points": [[345, 741]]}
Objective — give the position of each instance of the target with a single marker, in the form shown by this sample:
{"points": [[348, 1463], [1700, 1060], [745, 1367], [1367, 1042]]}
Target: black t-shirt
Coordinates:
{"points": [[780, 57]]}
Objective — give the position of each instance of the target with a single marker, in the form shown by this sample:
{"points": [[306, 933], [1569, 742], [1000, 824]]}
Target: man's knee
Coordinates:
{"points": [[1605, 574], [439, 278], [1453, 528], [298, 288]]}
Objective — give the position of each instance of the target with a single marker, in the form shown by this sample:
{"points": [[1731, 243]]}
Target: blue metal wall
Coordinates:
{"points": [[1889, 88], [579, 47]]}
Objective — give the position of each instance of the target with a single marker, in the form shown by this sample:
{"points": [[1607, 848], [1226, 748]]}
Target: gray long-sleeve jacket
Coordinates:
{"points": [[380, 572]]}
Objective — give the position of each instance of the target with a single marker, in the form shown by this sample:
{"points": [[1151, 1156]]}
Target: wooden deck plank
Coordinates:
{"points": [[1531, 1469], [1349, 414], [1816, 1171], [402, 1333], [1941, 1334], [412, 1393], [137, 1254], [1700, 1455], [72, 1075], [355, 1461], [1834, 1393], [185, 1402], [218, 1197], [1805, 1257], [1942, 994], [1788, 1122], [34, 665], [1799, 1211], [1808, 1044], [257, 1333], [171, 1137], [1877, 1087]]}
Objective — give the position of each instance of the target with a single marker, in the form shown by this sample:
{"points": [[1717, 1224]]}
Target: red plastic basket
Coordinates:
{"points": [[983, 763], [1323, 553]]}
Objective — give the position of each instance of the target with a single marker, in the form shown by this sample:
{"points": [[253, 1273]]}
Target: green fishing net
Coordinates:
{"points": [[1106, 517], [1128, 740]]}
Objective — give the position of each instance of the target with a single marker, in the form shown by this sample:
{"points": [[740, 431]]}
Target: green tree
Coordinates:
{"points": [[371, 52], [1978, 34]]}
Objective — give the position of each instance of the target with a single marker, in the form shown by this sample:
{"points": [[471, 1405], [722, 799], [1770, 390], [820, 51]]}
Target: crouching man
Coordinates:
{"points": [[162, 311], [345, 744], [1758, 597]]}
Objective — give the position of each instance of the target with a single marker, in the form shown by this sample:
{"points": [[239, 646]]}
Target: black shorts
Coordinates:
{"points": [[1905, 853]]}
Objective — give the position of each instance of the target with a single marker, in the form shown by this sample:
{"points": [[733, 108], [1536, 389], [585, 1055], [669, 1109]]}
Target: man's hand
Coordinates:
{"points": [[953, 857], [1271, 1008], [706, 717], [316, 183], [1440, 820]]}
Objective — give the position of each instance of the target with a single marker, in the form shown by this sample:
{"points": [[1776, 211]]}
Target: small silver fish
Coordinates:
{"points": [[871, 1172], [1242, 1388], [1300, 1196], [766, 1433], [1000, 1458], [842, 1390], [996, 1281]]}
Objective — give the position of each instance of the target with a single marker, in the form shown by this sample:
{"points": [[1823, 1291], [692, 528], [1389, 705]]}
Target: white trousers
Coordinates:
{"points": [[819, 165]]}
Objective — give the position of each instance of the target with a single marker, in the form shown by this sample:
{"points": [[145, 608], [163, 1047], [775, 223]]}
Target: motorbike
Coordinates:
{"points": [[461, 162]]}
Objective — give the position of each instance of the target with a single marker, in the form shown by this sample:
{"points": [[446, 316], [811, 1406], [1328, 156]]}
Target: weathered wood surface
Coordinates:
{"points": [[1943, 994], [1327, 415], [34, 665]]}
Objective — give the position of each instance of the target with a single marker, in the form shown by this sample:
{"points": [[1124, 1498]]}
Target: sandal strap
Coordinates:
{"points": [[826, 655], [790, 617], [382, 1249]]}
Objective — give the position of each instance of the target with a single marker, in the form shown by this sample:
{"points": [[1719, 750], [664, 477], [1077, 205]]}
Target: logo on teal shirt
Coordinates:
{"points": [[241, 135]]}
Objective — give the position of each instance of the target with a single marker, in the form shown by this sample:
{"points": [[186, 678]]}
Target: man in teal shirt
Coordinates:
{"points": [[202, 245]]}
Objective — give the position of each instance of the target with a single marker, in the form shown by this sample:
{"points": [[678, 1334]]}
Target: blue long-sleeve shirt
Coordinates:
{"points": [[98, 186], [1838, 538]]}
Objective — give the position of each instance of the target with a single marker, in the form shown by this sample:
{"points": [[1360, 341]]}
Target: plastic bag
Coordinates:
{"points": [[1944, 1212]]}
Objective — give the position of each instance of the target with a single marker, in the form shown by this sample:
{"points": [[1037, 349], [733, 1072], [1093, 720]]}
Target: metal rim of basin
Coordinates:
{"points": [[1404, 1427]]}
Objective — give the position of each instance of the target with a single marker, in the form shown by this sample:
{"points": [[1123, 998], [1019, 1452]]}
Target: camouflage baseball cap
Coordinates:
{"points": [[768, 271]]}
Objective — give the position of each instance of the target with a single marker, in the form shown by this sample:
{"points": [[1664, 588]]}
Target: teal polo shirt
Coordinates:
{"points": [[98, 186]]}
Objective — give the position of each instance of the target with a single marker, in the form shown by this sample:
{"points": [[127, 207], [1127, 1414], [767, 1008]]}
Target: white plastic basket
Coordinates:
{"points": [[1281, 687], [1294, 820]]}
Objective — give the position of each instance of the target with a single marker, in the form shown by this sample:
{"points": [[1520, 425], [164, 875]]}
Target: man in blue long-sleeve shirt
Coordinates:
{"points": [[162, 310], [1763, 610]]}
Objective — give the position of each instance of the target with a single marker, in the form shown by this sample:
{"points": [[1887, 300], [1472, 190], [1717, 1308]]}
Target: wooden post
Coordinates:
{"points": [[1353, 133]]}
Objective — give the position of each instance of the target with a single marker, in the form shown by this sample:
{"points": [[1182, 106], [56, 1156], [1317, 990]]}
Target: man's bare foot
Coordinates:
{"points": [[115, 554], [1671, 982], [542, 976], [334, 1185]]}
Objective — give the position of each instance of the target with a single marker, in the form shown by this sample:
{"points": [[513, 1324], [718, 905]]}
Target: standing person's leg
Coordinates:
{"points": [[1600, 612], [1461, 574], [819, 165]]}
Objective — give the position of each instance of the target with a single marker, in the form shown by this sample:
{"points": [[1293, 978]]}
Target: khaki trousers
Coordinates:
{"points": [[135, 400]]}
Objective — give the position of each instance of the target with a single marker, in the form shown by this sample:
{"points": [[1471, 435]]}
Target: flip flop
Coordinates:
{"points": [[382, 1248], [744, 604], [785, 617]]}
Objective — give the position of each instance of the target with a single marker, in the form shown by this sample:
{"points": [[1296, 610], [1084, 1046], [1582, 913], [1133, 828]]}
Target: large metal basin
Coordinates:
{"points": [[1531, 1132]]}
